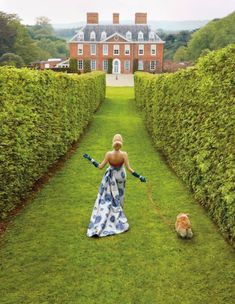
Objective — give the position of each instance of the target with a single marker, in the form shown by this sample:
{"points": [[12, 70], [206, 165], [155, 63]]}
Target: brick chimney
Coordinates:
{"points": [[140, 18], [92, 18], [115, 18]]}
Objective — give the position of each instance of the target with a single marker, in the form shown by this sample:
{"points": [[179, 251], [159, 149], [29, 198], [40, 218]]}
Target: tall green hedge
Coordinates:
{"points": [[41, 114], [190, 116]]}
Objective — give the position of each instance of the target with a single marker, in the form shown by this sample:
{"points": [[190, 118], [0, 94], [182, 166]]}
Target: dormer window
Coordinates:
{"points": [[140, 36], [80, 36], [128, 35], [103, 35], [151, 35], [92, 35]]}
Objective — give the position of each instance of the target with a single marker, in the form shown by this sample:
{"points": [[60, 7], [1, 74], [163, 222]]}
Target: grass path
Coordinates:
{"points": [[46, 256]]}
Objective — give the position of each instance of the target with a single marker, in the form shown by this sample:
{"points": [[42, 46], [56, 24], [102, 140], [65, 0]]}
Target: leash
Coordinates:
{"points": [[149, 192]]}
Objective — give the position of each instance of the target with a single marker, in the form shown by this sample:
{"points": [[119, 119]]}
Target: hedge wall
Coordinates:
{"points": [[41, 114], [190, 116]]}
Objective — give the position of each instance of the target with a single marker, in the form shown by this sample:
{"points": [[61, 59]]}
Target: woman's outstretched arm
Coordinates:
{"points": [[104, 162], [126, 162]]}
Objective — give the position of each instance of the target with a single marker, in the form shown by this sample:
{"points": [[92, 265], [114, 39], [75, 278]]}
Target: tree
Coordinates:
{"points": [[73, 65], [180, 54], [135, 65], [11, 59], [110, 66], [87, 66], [216, 34], [43, 26]]}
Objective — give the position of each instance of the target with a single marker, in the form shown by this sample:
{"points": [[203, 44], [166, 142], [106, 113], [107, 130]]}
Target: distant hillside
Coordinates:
{"points": [[165, 25], [216, 34]]}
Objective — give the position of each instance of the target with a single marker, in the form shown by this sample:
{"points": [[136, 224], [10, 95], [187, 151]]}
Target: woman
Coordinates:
{"points": [[107, 217]]}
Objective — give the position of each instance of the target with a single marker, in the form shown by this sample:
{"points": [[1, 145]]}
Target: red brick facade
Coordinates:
{"points": [[116, 36]]}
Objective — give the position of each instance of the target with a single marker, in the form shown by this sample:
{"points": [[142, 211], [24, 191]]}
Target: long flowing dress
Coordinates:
{"points": [[107, 217]]}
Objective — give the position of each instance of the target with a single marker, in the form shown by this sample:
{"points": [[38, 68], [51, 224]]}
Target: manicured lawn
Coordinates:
{"points": [[46, 256]]}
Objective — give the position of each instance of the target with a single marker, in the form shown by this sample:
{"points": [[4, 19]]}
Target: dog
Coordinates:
{"points": [[183, 226]]}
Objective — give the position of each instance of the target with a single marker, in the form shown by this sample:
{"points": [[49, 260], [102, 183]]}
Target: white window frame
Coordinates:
{"points": [[80, 48], [80, 64], [128, 35], [103, 35], [141, 48], [127, 49], [142, 65], [105, 47], [93, 61], [80, 36], [153, 49], [151, 36], [92, 36], [91, 49], [150, 67], [127, 65], [116, 48], [105, 61], [140, 36]]}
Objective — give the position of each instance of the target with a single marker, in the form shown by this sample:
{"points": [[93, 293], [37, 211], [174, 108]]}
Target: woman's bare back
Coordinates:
{"points": [[116, 157]]}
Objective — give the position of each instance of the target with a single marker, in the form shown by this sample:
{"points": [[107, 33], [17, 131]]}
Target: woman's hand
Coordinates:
{"points": [[142, 178], [91, 159]]}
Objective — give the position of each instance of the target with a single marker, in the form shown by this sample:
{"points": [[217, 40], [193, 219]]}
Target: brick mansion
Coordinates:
{"points": [[127, 47]]}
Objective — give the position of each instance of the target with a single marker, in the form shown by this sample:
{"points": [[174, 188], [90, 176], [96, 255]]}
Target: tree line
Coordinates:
{"points": [[21, 45]]}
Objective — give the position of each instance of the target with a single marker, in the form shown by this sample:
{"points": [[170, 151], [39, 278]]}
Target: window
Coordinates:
{"points": [[80, 64], [116, 49], [141, 49], [105, 65], [105, 49], [140, 65], [80, 36], [151, 35], [153, 49], [127, 65], [128, 35], [152, 65], [93, 49], [103, 35], [92, 35], [80, 49], [127, 49], [140, 36], [93, 64]]}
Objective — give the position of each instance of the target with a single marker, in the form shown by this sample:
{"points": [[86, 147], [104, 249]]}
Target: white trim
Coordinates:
{"points": [[117, 48], [114, 42], [93, 61], [91, 49], [82, 64], [77, 32], [153, 47], [154, 65], [119, 66], [114, 34], [125, 48], [141, 48], [105, 54], [80, 54]]}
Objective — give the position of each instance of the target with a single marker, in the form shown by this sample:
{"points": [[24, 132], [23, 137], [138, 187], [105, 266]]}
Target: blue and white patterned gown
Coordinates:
{"points": [[107, 217]]}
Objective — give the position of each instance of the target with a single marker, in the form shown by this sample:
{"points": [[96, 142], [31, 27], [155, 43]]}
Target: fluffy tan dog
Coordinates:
{"points": [[183, 226]]}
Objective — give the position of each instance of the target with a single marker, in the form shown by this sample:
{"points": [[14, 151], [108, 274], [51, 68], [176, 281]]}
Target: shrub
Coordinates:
{"points": [[110, 65], [11, 59], [87, 66], [73, 65], [189, 115], [41, 114]]}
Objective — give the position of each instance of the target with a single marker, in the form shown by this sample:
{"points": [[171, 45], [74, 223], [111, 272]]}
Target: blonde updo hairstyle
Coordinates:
{"points": [[117, 141]]}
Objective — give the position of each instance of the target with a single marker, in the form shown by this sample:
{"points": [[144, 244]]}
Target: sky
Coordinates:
{"points": [[69, 11]]}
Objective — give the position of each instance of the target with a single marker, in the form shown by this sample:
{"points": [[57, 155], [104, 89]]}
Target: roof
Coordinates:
{"points": [[116, 28]]}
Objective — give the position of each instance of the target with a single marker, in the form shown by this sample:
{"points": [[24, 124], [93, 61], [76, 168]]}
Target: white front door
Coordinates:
{"points": [[116, 66]]}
